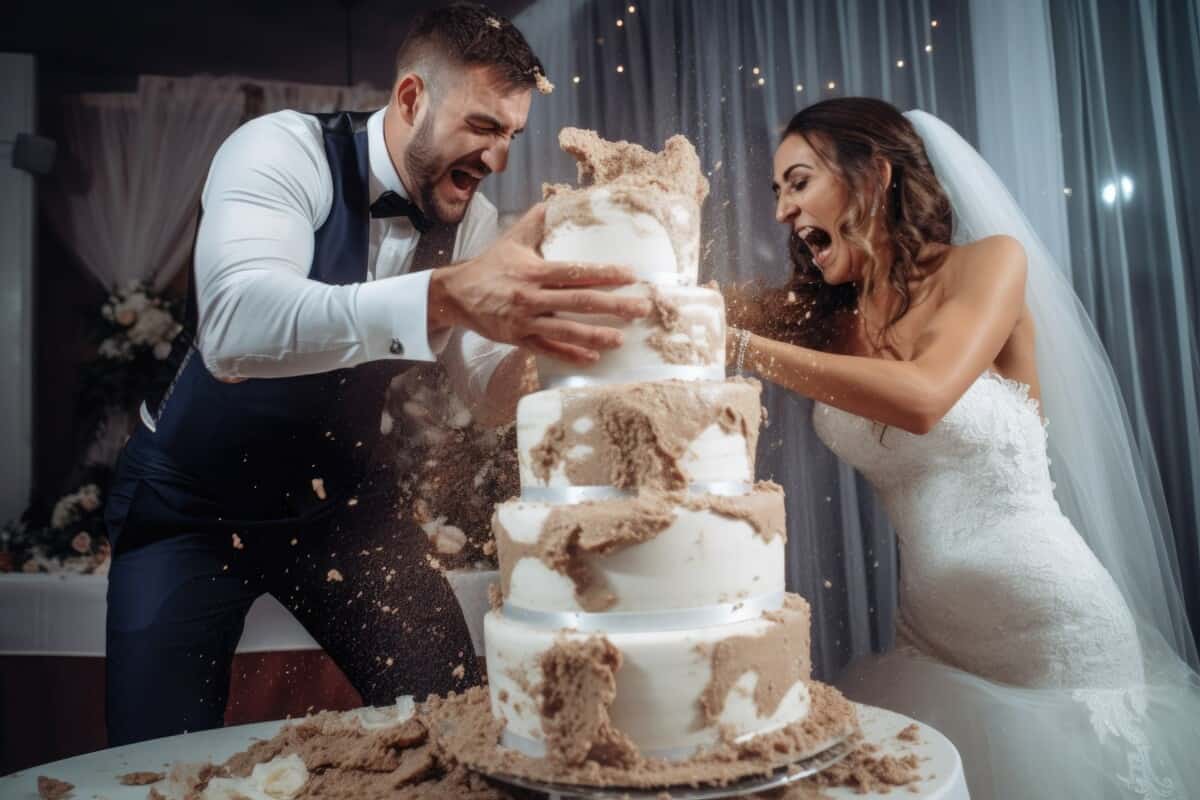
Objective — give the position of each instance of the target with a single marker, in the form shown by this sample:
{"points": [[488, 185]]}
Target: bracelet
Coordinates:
{"points": [[743, 339]]}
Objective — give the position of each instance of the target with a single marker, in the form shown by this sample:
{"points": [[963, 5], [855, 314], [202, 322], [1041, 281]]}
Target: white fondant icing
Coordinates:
{"points": [[714, 456], [523, 521], [659, 684], [624, 236], [636, 353], [709, 557]]}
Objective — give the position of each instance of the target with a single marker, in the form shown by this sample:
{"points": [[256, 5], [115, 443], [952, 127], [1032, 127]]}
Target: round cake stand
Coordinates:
{"points": [[797, 770]]}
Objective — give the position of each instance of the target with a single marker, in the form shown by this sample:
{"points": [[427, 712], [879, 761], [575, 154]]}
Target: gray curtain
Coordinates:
{"points": [[1088, 110], [1128, 86], [689, 67]]}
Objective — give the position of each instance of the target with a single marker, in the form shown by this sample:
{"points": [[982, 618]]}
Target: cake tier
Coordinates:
{"points": [[665, 434], [683, 337], [648, 552], [649, 231], [675, 690]]}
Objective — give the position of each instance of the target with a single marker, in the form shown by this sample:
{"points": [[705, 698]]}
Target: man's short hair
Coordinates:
{"points": [[467, 35]]}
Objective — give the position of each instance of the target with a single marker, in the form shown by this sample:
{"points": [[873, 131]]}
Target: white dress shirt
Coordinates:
{"points": [[260, 316]]}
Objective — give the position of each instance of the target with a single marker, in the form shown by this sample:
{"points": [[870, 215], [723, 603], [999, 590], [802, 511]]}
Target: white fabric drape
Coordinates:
{"points": [[126, 196], [125, 199], [689, 67]]}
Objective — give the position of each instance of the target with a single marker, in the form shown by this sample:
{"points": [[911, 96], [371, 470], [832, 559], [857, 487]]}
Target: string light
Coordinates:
{"points": [[633, 9], [575, 79], [761, 81], [832, 85], [756, 70], [900, 63], [799, 87], [933, 23], [620, 67], [928, 48], [620, 23], [1067, 191]]}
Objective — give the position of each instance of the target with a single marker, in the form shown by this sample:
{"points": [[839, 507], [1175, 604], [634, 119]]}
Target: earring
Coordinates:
{"points": [[879, 204]]}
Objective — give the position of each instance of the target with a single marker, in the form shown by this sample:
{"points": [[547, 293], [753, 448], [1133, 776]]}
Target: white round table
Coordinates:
{"points": [[95, 774]]}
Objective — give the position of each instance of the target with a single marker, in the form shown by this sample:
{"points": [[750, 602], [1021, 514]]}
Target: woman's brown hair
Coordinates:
{"points": [[851, 135]]}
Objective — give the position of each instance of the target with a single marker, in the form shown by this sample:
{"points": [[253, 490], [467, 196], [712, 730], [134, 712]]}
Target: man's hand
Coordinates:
{"points": [[510, 294]]}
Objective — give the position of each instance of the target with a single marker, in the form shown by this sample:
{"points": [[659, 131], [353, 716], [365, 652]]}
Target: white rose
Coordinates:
{"points": [[64, 512], [110, 348], [89, 497], [162, 350], [153, 326], [125, 316], [138, 301]]}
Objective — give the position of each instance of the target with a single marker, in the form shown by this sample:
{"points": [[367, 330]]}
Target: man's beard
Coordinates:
{"points": [[424, 168]]}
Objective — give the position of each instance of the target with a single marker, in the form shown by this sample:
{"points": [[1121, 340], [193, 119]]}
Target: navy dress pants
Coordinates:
{"points": [[358, 581]]}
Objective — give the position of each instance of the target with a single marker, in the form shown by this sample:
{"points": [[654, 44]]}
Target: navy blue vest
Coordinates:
{"points": [[240, 454]]}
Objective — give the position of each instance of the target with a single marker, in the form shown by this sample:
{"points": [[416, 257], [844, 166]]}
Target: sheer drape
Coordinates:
{"points": [[690, 67], [1129, 103], [125, 199]]}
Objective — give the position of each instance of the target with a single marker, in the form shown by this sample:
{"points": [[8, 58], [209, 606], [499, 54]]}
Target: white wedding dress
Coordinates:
{"points": [[1013, 639]]}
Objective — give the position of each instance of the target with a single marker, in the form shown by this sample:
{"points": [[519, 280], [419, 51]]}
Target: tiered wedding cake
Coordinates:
{"points": [[642, 568]]}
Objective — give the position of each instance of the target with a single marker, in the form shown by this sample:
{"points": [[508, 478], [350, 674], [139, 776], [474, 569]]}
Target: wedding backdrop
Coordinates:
{"points": [[1082, 107], [1086, 109]]}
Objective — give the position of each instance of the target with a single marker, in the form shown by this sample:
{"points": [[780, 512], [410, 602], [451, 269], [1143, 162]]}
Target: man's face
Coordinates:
{"points": [[463, 136]]}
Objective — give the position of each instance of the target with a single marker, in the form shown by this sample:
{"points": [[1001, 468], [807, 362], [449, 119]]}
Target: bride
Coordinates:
{"points": [[1040, 616]]}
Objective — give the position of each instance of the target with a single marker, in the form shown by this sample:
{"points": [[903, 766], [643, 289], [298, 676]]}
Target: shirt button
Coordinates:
{"points": [[396, 348]]}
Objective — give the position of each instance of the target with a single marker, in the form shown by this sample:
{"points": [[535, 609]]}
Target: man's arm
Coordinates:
{"points": [[268, 190]]}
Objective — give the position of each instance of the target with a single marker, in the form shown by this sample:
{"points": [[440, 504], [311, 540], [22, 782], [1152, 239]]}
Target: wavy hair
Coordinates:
{"points": [[851, 135]]}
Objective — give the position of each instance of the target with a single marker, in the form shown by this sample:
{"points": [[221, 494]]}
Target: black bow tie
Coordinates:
{"points": [[390, 204]]}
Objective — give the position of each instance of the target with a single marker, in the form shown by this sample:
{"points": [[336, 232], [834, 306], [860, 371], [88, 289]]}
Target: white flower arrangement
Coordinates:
{"points": [[71, 507], [142, 319]]}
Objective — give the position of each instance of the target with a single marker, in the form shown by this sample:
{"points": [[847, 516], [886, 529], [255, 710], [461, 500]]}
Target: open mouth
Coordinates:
{"points": [[818, 241], [464, 180]]}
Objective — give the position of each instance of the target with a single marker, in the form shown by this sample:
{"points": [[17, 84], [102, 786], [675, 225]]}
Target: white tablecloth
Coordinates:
{"points": [[95, 774], [63, 615]]}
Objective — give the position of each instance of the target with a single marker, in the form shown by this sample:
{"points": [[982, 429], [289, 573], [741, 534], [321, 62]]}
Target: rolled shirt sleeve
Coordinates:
{"points": [[260, 316]]}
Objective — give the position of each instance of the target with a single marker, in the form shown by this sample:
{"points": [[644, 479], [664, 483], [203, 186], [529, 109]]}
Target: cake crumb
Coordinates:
{"points": [[544, 86], [459, 672], [53, 789], [237, 543], [334, 576], [910, 733], [140, 778], [318, 485]]}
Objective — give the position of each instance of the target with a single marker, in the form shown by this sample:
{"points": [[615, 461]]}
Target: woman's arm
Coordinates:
{"points": [[984, 302]]}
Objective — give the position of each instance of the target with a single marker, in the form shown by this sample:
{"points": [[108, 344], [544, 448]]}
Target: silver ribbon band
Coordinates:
{"points": [[674, 619], [536, 749], [568, 495], [662, 372], [667, 279]]}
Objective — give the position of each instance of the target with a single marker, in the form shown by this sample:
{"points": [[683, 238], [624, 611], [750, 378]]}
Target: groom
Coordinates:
{"points": [[332, 250]]}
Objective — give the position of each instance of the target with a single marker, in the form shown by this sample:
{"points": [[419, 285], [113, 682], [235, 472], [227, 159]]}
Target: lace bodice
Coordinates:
{"points": [[986, 457], [994, 578]]}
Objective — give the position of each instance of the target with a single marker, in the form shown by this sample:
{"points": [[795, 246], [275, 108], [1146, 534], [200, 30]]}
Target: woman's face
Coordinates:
{"points": [[810, 199]]}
